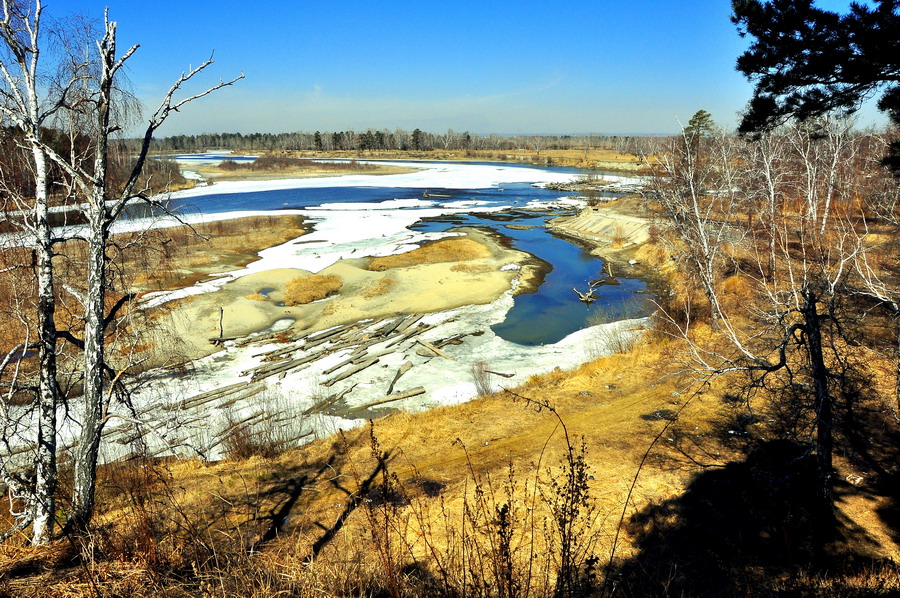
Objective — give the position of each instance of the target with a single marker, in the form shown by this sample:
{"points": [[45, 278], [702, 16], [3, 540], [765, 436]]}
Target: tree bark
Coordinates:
{"points": [[88, 448], [823, 401], [99, 221], [44, 506]]}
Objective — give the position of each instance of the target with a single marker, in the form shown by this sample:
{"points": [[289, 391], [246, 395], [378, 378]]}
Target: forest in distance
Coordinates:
{"points": [[284, 379], [400, 140]]}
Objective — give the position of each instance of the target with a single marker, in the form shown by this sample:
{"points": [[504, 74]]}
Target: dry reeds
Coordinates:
{"points": [[306, 289], [445, 250]]}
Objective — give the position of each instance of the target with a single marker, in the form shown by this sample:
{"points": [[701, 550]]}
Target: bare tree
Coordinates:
{"points": [[87, 102], [23, 104], [797, 258], [696, 184], [102, 208]]}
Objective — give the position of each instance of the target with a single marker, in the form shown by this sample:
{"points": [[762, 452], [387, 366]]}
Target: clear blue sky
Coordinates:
{"points": [[480, 66]]}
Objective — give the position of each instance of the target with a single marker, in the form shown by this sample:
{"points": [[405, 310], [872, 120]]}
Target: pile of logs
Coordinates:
{"points": [[364, 344]]}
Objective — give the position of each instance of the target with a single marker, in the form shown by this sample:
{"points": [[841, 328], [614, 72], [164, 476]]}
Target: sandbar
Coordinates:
{"points": [[253, 303]]}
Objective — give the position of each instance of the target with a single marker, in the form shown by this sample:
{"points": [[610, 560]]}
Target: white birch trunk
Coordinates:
{"points": [[44, 506]]}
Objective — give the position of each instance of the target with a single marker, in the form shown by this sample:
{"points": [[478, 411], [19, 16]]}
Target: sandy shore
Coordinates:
{"points": [[215, 173], [253, 303]]}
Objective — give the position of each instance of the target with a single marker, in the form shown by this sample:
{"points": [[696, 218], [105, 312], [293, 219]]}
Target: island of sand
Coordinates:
{"points": [[471, 268]]}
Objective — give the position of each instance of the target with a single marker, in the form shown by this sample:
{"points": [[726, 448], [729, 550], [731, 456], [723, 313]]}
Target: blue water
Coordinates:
{"points": [[209, 157], [545, 316], [554, 310]]}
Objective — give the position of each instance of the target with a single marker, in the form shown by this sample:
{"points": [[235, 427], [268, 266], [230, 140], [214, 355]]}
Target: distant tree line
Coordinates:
{"points": [[398, 140], [18, 177]]}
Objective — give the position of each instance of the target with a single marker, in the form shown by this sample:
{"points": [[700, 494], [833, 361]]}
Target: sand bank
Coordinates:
{"points": [[254, 303]]}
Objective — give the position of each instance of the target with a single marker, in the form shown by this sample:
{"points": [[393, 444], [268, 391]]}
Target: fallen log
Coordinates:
{"points": [[338, 366], [280, 367], [403, 369], [390, 327], [320, 406], [318, 336], [410, 320], [433, 349], [388, 399], [201, 398], [350, 372], [409, 334], [280, 351]]}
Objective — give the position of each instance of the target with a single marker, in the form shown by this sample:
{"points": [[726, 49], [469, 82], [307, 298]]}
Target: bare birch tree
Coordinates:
{"points": [[696, 184], [29, 102], [797, 257], [86, 102], [102, 208]]}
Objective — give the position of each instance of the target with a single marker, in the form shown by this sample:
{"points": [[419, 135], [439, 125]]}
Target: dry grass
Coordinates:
{"points": [[190, 528], [306, 289], [181, 256], [202, 519], [256, 297], [458, 249], [471, 268], [590, 158], [280, 167], [379, 287]]}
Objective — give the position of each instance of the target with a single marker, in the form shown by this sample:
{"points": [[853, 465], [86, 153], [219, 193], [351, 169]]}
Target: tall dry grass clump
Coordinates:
{"points": [[445, 250], [306, 289]]}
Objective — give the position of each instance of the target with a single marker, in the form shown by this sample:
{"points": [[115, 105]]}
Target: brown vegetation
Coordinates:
{"points": [[379, 287], [471, 268], [634, 474], [306, 289], [275, 167], [180, 256], [410, 510], [444, 250]]}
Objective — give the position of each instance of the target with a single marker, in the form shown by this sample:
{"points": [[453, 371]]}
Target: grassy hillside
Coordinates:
{"points": [[528, 491], [640, 473]]}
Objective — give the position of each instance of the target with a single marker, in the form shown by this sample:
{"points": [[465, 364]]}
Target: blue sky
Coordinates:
{"points": [[487, 66]]}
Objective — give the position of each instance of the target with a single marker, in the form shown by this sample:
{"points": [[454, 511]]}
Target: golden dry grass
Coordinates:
{"points": [[590, 158], [602, 401], [306, 289], [223, 508], [379, 287], [457, 249], [180, 256], [471, 268], [256, 297]]}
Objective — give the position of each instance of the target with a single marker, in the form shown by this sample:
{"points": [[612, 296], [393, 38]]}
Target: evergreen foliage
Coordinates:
{"points": [[806, 62]]}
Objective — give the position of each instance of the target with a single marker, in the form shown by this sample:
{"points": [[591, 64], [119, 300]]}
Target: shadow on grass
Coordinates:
{"points": [[747, 529]]}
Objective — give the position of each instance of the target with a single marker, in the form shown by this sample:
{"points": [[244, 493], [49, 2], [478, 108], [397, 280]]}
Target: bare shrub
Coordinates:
{"points": [[482, 378], [521, 535], [619, 238], [616, 339], [306, 289], [609, 338], [277, 426]]}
